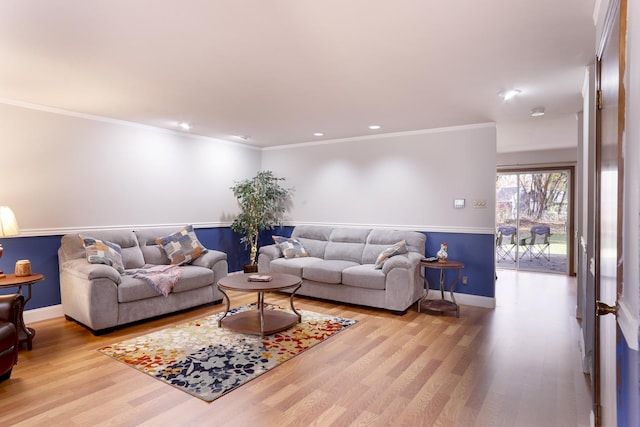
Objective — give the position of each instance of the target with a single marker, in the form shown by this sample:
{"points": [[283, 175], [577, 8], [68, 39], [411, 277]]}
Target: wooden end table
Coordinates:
{"points": [[441, 305], [25, 334], [259, 321]]}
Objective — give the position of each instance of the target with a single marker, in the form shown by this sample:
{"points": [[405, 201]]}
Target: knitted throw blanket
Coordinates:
{"points": [[162, 278]]}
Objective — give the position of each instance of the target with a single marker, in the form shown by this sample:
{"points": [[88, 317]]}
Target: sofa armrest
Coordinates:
{"points": [[407, 261], [209, 259], [272, 251], [82, 269], [267, 254]]}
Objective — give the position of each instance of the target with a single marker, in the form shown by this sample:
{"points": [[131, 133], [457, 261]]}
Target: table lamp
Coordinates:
{"points": [[8, 227]]}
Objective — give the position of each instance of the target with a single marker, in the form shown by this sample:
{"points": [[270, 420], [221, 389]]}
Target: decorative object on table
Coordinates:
{"points": [[260, 278], [207, 362], [8, 227], [443, 253], [23, 268], [262, 204]]}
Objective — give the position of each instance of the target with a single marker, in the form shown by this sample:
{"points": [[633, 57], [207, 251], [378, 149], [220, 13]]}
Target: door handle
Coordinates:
{"points": [[602, 309]]}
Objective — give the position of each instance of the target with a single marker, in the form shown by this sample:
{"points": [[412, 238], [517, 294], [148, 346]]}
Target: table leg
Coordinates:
{"points": [[24, 333], [226, 310], [425, 284], [291, 302], [453, 298], [261, 308]]}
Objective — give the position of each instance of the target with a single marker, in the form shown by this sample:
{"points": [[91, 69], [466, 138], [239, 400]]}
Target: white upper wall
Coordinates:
{"points": [[64, 171], [399, 180], [538, 133]]}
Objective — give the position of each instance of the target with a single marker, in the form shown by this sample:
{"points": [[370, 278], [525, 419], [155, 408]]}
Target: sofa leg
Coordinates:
{"points": [[100, 332], [399, 312]]}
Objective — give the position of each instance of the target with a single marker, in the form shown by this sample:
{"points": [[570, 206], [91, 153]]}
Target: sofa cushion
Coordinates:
{"points": [[395, 249], [364, 276], [344, 251], [132, 289], [380, 239], [314, 238], [326, 271], [183, 246], [103, 252], [153, 252], [71, 246], [290, 247], [292, 266]]}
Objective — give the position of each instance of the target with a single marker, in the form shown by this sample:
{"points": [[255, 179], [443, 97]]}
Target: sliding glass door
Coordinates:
{"points": [[532, 220]]}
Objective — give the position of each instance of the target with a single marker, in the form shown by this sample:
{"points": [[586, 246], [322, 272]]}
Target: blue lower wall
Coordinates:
{"points": [[474, 250]]}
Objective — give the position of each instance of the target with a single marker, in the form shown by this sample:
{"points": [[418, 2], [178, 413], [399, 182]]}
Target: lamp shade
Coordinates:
{"points": [[8, 223]]}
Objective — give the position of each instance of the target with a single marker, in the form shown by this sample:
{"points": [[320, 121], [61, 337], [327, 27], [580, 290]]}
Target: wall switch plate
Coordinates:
{"points": [[479, 204], [458, 203]]}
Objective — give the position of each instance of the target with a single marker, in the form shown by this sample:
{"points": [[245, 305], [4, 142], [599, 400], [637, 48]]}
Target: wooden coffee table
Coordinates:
{"points": [[259, 321]]}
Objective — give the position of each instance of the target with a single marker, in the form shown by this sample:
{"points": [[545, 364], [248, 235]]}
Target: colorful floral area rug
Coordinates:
{"points": [[206, 361]]}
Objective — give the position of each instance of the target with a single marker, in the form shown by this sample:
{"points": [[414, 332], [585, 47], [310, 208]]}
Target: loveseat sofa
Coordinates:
{"points": [[349, 264], [101, 297]]}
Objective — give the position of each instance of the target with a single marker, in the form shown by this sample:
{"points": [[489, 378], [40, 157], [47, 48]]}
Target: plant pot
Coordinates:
{"points": [[250, 268]]}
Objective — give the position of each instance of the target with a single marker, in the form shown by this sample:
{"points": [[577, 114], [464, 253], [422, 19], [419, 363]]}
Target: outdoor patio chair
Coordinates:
{"points": [[506, 243], [537, 245]]}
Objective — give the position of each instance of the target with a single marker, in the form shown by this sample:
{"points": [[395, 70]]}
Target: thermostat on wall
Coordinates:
{"points": [[458, 203]]}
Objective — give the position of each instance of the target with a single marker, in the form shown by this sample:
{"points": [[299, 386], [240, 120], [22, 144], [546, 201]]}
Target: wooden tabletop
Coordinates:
{"points": [[13, 280], [442, 265], [240, 282]]}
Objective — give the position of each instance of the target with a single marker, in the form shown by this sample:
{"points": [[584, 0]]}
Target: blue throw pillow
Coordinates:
{"points": [[183, 246], [103, 252], [290, 248]]}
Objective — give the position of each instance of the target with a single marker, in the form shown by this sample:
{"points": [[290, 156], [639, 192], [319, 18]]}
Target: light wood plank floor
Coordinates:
{"points": [[516, 365]]}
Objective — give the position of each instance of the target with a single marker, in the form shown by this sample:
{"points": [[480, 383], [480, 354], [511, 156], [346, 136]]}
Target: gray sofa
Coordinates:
{"points": [[340, 266], [101, 298]]}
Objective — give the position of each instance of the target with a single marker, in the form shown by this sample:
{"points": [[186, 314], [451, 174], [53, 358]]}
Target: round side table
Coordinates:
{"points": [[25, 334], [441, 305]]}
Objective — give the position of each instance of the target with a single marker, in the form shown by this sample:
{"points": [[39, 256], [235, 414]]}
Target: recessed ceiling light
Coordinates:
{"points": [[318, 134], [537, 112], [375, 127], [183, 125], [508, 94]]}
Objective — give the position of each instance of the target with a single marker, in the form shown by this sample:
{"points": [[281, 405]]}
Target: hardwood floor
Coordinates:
{"points": [[516, 365]]}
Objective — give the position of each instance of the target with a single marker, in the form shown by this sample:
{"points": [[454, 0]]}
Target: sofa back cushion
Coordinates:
{"points": [[152, 252], [313, 238], [71, 246], [380, 239], [359, 245], [346, 244]]}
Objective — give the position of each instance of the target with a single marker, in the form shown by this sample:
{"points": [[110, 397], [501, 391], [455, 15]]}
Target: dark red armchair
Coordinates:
{"points": [[8, 333]]}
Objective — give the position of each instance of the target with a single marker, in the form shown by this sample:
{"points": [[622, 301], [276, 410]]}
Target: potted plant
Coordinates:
{"points": [[263, 202]]}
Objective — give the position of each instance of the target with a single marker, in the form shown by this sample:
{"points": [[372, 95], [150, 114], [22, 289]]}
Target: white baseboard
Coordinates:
{"points": [[466, 299], [53, 311], [44, 313]]}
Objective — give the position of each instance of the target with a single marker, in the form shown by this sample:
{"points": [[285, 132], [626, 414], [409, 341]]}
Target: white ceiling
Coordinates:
{"points": [[279, 70]]}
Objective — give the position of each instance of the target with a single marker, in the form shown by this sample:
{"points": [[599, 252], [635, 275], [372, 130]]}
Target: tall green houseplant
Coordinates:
{"points": [[263, 202]]}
